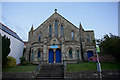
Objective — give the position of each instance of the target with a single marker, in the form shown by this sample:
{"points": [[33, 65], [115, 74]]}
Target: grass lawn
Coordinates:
{"points": [[90, 66], [20, 69]]}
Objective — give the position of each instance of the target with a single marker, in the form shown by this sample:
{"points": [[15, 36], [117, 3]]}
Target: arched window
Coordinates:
{"points": [[39, 36], [50, 31], [39, 54], [56, 28], [61, 30], [32, 55], [72, 35], [78, 53], [70, 53], [88, 39]]}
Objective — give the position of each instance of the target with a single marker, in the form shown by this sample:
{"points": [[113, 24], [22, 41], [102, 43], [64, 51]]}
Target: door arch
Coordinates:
{"points": [[58, 55], [51, 55]]}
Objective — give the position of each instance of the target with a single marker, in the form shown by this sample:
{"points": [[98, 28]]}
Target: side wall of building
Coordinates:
{"points": [[16, 46]]}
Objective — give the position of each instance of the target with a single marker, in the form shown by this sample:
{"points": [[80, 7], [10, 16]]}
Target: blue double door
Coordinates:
{"points": [[54, 56]]}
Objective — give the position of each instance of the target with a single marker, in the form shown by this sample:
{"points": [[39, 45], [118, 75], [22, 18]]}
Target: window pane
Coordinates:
{"points": [[32, 55], [61, 30], [77, 53], [88, 38], [72, 35], [39, 36], [38, 53], [50, 31], [70, 53], [56, 27]]}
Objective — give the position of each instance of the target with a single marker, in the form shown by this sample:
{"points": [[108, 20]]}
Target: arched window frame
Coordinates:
{"points": [[39, 54], [88, 38], [72, 35], [61, 29], [78, 53], [70, 53], [56, 28], [32, 55], [39, 36], [50, 30]]}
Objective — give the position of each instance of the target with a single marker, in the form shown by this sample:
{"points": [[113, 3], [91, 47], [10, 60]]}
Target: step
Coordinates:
{"points": [[52, 78], [53, 68], [50, 74], [51, 71], [55, 72], [44, 67]]}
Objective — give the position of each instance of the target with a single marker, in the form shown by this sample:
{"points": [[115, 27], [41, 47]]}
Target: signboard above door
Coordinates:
{"points": [[54, 46]]}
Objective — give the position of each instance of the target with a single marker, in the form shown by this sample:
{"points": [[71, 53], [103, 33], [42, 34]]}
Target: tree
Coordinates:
{"points": [[5, 49], [110, 44]]}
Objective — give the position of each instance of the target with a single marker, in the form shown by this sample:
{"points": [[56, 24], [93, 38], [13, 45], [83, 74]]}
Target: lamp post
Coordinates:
{"points": [[98, 62]]}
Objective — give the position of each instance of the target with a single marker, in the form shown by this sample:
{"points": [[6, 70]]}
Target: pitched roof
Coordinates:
{"points": [[9, 31]]}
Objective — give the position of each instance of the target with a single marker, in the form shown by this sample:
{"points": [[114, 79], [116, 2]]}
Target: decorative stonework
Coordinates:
{"points": [[64, 42]]}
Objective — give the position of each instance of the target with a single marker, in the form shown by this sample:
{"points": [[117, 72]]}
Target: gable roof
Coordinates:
{"points": [[60, 16], [9, 31]]}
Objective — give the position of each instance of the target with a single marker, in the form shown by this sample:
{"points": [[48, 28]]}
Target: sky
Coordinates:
{"points": [[102, 17]]}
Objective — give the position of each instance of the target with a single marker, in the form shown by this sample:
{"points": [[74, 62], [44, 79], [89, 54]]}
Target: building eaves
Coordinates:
{"points": [[9, 31]]}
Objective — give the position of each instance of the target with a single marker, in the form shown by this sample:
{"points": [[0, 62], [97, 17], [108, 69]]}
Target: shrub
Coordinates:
{"points": [[103, 58], [78, 61], [22, 60], [11, 61], [94, 59], [26, 63]]}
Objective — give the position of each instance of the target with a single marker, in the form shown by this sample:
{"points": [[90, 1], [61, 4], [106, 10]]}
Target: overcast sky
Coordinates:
{"points": [[102, 17]]}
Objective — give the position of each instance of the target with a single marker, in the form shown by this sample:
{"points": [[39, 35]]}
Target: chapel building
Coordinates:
{"points": [[57, 40]]}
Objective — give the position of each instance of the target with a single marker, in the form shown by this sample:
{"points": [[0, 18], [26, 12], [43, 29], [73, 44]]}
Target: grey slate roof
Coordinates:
{"points": [[9, 31]]}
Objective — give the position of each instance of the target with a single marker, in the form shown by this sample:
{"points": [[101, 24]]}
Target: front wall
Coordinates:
{"points": [[64, 42], [67, 29]]}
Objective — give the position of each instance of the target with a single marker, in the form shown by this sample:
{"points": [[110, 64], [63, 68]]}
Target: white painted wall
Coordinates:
{"points": [[16, 46]]}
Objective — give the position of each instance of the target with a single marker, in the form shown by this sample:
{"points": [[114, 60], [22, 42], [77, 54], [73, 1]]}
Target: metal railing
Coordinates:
{"points": [[38, 68]]}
